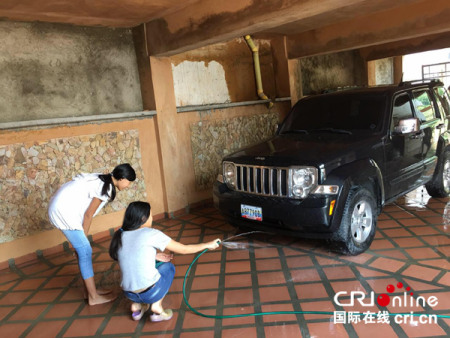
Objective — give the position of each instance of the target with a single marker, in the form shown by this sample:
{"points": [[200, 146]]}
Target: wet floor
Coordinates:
{"points": [[305, 289]]}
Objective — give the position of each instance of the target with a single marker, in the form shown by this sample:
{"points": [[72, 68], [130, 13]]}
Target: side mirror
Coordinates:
{"points": [[407, 126]]}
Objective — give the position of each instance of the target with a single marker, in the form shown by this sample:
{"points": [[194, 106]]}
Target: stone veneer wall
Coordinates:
{"points": [[212, 140], [30, 174]]}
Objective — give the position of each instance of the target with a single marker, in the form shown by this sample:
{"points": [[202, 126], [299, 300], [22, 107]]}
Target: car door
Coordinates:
{"points": [[430, 125], [403, 151]]}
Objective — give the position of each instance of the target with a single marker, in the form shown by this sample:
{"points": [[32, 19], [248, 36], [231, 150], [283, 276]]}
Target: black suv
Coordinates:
{"points": [[337, 159]]}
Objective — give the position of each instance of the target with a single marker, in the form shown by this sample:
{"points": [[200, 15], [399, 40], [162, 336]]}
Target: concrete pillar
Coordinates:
{"points": [[280, 66], [145, 77], [398, 69], [167, 135], [158, 94], [371, 73], [295, 80]]}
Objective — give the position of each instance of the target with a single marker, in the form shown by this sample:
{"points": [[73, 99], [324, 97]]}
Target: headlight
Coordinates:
{"points": [[303, 177], [302, 181], [229, 174]]}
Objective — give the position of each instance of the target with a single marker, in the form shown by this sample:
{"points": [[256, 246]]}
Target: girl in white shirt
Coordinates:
{"points": [[71, 210], [135, 246]]}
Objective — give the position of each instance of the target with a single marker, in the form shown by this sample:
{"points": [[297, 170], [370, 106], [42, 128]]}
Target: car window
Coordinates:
{"points": [[349, 111], [402, 109], [423, 105], [443, 100]]}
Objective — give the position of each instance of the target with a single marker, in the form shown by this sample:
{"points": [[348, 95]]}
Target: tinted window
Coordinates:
{"points": [[423, 105], [352, 111]]}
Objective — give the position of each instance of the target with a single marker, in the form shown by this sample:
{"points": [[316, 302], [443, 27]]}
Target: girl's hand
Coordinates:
{"points": [[213, 244], [164, 257]]}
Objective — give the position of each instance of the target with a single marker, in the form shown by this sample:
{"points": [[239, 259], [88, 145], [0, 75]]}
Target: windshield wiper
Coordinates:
{"points": [[333, 130], [295, 131]]}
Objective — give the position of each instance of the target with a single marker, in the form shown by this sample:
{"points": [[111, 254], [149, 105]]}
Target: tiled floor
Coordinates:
{"points": [[263, 273]]}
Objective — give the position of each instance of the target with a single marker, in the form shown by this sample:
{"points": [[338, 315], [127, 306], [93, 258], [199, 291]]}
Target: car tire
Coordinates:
{"points": [[358, 224], [439, 186]]}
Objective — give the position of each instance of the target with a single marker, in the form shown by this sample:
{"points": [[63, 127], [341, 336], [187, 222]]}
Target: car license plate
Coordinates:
{"points": [[251, 212]]}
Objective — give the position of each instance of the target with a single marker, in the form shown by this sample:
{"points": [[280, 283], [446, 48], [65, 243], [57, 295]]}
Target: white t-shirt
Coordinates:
{"points": [[69, 204], [137, 257]]}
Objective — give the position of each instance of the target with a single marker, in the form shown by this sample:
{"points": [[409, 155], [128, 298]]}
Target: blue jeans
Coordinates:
{"points": [[83, 248], [158, 290]]}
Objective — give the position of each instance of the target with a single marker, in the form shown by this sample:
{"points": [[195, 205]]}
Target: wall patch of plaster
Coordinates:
{"points": [[199, 83]]}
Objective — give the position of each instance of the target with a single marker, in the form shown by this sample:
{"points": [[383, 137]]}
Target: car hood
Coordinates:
{"points": [[315, 150]]}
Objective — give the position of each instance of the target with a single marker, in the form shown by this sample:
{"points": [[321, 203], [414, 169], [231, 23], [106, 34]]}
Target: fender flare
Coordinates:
{"points": [[443, 144], [364, 173]]}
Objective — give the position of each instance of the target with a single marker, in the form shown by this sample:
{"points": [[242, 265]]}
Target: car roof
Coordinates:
{"points": [[383, 89]]}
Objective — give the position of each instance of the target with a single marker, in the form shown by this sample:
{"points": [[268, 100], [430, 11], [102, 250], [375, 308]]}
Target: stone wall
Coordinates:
{"points": [[212, 140], [31, 173]]}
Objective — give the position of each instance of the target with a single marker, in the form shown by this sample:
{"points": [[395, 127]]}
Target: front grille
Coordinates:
{"points": [[258, 180]]}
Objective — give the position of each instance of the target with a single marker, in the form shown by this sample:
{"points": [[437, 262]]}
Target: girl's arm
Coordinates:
{"points": [[192, 248], [89, 214]]}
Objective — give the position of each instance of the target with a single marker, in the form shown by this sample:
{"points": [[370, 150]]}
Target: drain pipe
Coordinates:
{"points": [[259, 86]]}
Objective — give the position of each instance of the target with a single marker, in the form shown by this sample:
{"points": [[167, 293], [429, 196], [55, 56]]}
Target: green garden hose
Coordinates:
{"points": [[272, 312]]}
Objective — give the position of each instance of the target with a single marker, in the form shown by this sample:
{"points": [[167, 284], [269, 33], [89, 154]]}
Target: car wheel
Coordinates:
{"points": [[358, 224], [439, 186]]}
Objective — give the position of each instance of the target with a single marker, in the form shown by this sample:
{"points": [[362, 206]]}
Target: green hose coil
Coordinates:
{"points": [[268, 313]]}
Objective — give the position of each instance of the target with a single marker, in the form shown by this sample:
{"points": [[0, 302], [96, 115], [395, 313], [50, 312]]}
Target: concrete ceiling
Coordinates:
{"points": [[311, 27]]}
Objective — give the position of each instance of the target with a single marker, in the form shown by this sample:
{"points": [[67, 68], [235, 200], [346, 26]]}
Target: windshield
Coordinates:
{"points": [[343, 114]]}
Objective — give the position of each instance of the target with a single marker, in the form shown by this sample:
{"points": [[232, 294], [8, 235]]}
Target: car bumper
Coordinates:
{"points": [[307, 218]]}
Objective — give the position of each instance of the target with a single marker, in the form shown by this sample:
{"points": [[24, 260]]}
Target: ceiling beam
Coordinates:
{"points": [[407, 22], [109, 13], [66, 18], [213, 21], [404, 47]]}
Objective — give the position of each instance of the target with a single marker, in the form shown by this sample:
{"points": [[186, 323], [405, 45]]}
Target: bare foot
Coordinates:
{"points": [[138, 310], [101, 299], [157, 308], [99, 292], [136, 307]]}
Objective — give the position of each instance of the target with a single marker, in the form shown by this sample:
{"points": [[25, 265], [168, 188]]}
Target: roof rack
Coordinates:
{"points": [[413, 82]]}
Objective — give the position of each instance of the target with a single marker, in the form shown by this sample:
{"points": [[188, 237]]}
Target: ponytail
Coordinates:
{"points": [[108, 185], [137, 213], [122, 171], [115, 245]]}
